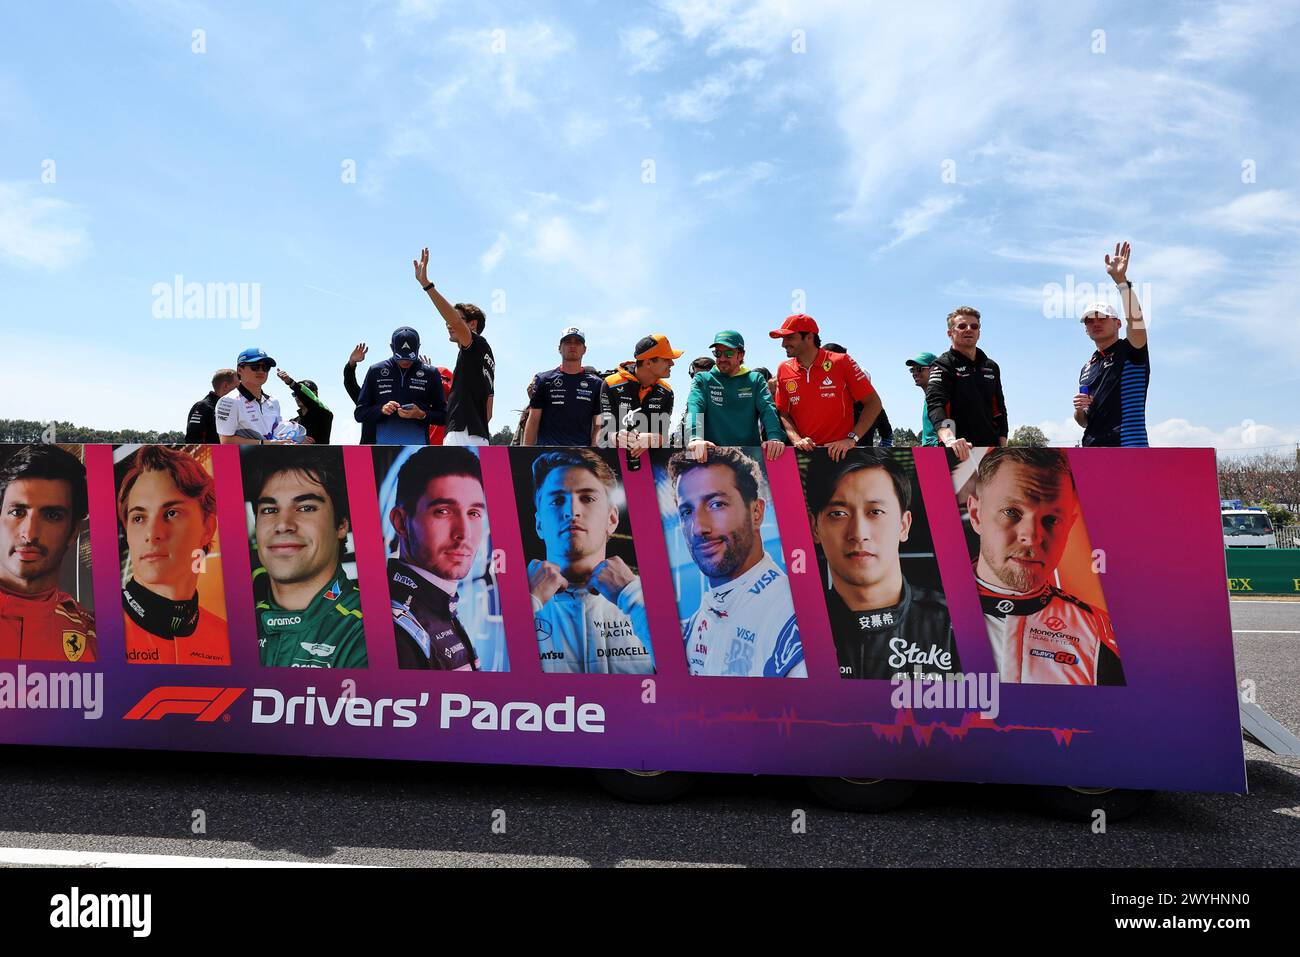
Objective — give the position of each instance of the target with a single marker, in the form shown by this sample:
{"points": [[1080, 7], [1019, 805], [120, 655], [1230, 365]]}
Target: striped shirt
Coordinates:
{"points": [[1117, 379]]}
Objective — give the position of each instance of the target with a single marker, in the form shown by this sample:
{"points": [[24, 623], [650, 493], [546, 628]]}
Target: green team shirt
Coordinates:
{"points": [[328, 633], [727, 410]]}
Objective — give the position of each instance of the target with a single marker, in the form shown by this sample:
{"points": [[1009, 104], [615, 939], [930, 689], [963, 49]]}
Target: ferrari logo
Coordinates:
{"points": [[74, 645], [827, 365]]}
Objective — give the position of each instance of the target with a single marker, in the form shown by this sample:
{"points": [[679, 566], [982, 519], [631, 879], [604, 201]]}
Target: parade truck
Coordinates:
{"points": [[890, 618]]}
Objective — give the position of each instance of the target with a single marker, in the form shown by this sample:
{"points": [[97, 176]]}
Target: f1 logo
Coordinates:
{"points": [[207, 704]]}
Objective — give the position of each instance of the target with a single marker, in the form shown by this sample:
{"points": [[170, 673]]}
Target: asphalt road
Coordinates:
{"points": [[378, 813]]}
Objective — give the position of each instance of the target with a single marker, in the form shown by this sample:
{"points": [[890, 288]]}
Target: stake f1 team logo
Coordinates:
{"points": [[206, 704]]}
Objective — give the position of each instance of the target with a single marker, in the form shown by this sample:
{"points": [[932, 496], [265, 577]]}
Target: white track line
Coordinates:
{"points": [[1264, 631], [54, 858]]}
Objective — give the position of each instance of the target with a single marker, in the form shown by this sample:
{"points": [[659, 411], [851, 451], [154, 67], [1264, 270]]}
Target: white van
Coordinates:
{"points": [[1245, 527]]}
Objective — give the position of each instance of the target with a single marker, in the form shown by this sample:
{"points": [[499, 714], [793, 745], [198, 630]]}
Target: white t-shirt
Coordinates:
{"points": [[239, 414]]}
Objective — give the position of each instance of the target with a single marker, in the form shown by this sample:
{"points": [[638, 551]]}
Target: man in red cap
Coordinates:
{"points": [[816, 390], [637, 404]]}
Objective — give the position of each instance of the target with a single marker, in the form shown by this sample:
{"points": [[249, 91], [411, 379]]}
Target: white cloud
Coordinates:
{"points": [[1263, 211], [1183, 433], [418, 11], [704, 101], [732, 181], [39, 231], [1231, 30], [922, 217], [582, 129], [645, 48], [494, 254]]}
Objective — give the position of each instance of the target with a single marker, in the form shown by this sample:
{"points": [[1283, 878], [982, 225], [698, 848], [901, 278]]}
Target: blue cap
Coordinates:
{"points": [[405, 343], [254, 354]]}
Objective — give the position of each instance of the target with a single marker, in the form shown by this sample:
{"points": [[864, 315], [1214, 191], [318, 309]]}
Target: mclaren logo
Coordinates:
{"points": [[205, 704]]}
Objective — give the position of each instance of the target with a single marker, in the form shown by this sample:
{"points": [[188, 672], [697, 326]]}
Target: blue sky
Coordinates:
{"points": [[799, 154]]}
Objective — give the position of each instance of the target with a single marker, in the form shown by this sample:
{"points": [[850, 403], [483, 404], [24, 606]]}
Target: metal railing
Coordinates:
{"points": [[1288, 536]]}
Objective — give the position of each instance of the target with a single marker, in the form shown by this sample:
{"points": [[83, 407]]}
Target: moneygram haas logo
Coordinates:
{"points": [[205, 704]]}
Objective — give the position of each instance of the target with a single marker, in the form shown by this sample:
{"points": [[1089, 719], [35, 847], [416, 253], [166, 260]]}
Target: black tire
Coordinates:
{"points": [[1079, 804], [862, 794], [644, 787]]}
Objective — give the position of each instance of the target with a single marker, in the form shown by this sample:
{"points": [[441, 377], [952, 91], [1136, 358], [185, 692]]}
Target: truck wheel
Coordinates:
{"points": [[644, 787], [862, 794], [1079, 804]]}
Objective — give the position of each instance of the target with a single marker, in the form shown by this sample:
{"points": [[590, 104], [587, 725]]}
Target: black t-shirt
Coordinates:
{"points": [[202, 423], [1117, 381], [913, 637], [568, 401], [471, 384]]}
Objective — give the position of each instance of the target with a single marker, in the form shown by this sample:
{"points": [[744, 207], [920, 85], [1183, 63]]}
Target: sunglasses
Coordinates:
{"points": [[966, 325], [723, 353], [257, 366]]}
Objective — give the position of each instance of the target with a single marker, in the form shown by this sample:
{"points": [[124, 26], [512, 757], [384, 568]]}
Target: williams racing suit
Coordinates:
{"points": [[746, 628], [51, 626], [910, 639], [328, 633], [429, 635], [1050, 638], [578, 631]]}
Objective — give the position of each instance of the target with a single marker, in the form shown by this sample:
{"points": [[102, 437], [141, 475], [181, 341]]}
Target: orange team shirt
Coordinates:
{"points": [[820, 398], [209, 645], [51, 626]]}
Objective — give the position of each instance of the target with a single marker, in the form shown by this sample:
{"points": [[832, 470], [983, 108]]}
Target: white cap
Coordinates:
{"points": [[1100, 309], [573, 331]]}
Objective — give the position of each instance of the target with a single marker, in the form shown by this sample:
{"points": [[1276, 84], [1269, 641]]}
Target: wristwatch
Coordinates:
{"points": [[428, 287], [853, 436]]}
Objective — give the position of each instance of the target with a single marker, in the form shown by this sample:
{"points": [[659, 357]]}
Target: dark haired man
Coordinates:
{"points": [[588, 608], [42, 506], [745, 625], [313, 415], [1023, 507], [440, 519], [167, 506], [884, 626], [730, 405], [817, 391], [308, 610], [201, 426], [469, 407]]}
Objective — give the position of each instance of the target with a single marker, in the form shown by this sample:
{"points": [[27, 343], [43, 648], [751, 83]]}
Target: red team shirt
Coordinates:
{"points": [[50, 627], [820, 398]]}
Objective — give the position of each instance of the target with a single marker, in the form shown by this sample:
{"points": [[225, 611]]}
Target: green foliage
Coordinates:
{"points": [[23, 431], [906, 439], [1029, 436]]}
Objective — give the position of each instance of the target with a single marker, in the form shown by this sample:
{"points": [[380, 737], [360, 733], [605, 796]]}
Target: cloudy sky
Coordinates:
{"points": [[681, 166]]}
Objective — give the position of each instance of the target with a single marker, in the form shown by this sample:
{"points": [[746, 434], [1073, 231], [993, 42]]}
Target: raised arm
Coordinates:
{"points": [[350, 371], [457, 327], [1117, 269]]}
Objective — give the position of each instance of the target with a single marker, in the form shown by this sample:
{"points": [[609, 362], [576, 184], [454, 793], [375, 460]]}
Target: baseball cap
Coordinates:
{"points": [[923, 359], [405, 343], [796, 323], [573, 331], [1100, 309], [656, 346], [729, 338], [254, 354]]}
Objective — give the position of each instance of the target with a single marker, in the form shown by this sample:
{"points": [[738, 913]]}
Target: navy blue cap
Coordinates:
{"points": [[254, 354], [405, 343]]}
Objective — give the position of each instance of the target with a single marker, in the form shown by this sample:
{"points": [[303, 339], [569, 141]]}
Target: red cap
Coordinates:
{"points": [[795, 323]]}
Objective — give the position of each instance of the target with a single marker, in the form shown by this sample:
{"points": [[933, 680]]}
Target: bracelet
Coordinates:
{"points": [[1120, 285], [428, 287]]}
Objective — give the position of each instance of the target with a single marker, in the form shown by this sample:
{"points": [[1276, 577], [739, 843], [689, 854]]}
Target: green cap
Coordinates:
{"points": [[923, 359], [729, 338]]}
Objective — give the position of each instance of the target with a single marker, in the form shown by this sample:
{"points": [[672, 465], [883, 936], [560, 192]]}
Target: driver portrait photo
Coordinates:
{"points": [[172, 600], [866, 516], [732, 595], [588, 606], [441, 586], [43, 507], [308, 607], [1042, 600]]}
